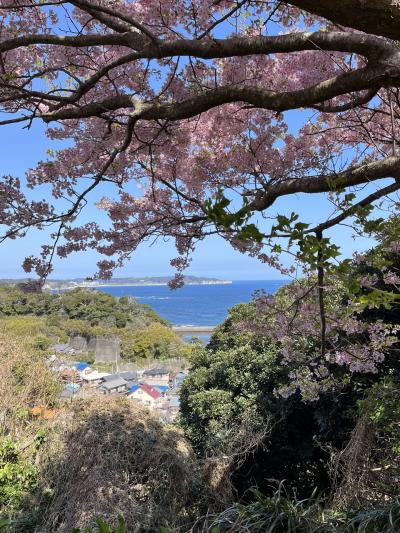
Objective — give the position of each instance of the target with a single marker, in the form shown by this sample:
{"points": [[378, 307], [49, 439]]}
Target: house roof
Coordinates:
{"points": [[127, 376], [111, 377], [151, 391], [156, 372], [134, 388], [70, 372], [161, 388], [114, 383], [94, 376]]}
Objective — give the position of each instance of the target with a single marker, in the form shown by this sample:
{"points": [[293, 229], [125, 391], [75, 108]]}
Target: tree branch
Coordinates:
{"points": [[321, 288], [256, 97], [385, 191], [385, 168], [354, 102], [370, 16]]}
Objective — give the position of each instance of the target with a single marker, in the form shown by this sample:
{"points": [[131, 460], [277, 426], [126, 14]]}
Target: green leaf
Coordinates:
{"points": [[103, 527], [250, 233]]}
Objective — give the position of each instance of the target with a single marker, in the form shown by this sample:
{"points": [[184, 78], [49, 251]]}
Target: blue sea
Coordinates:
{"points": [[195, 305]]}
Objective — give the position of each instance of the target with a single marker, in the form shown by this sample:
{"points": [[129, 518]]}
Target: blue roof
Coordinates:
{"points": [[81, 366], [161, 388], [72, 387], [133, 388]]}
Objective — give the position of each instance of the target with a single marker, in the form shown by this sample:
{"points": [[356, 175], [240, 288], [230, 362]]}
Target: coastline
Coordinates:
{"points": [[196, 308], [148, 284]]}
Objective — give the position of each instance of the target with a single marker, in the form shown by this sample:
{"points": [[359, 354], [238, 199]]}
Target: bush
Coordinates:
{"points": [[154, 341], [17, 477], [232, 384], [109, 457]]}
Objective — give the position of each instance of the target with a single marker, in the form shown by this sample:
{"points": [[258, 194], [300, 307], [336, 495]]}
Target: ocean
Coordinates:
{"points": [[195, 305]]}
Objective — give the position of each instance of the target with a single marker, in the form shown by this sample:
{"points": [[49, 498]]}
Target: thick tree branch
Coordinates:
{"points": [[379, 17], [385, 168], [354, 101], [366, 45], [254, 96], [77, 41], [99, 11]]}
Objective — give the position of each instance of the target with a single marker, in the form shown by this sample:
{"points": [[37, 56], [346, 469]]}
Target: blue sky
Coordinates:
{"points": [[21, 149]]}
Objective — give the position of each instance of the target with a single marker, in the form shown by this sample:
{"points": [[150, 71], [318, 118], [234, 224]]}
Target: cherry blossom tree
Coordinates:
{"points": [[188, 101]]}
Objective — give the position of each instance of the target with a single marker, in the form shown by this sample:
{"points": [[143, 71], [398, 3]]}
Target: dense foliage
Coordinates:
{"points": [[45, 318], [25, 382], [155, 341], [233, 387], [263, 368], [94, 307], [18, 477]]}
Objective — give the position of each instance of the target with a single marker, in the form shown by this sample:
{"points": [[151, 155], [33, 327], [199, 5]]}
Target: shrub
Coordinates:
{"points": [[17, 476], [109, 457]]}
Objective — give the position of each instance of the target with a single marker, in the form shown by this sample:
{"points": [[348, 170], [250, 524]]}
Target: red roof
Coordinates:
{"points": [[151, 391], [70, 375]]}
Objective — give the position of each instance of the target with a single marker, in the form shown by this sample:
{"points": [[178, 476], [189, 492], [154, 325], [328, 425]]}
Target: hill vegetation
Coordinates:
{"points": [[47, 318]]}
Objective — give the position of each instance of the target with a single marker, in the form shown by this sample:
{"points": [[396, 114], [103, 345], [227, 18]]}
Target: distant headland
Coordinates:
{"points": [[64, 284]]}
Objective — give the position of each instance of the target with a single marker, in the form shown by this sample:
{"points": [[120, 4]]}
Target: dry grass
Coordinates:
{"points": [[103, 457], [109, 457], [25, 381]]}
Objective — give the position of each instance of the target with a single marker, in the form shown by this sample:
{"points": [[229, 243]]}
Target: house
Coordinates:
{"points": [[156, 376], [69, 375], [156, 373], [112, 386], [146, 394], [129, 377], [94, 378]]}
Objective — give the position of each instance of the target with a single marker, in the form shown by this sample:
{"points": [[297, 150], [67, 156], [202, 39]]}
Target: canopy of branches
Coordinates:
{"points": [[188, 101]]}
